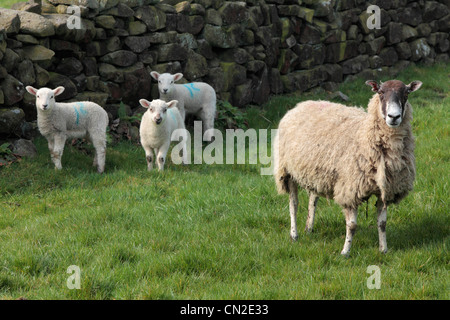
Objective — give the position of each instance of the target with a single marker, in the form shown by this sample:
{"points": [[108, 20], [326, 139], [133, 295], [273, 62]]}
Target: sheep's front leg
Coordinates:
{"points": [[313, 198], [293, 205], [51, 147], [58, 148], [149, 157], [350, 218], [161, 155], [381, 224]]}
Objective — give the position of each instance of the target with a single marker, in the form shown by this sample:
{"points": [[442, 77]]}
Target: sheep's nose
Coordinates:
{"points": [[158, 121], [165, 90], [394, 117], [45, 106]]}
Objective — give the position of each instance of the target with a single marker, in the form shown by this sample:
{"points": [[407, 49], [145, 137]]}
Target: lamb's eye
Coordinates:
{"points": [[159, 81], [52, 97], [37, 96], [171, 82], [165, 110]]}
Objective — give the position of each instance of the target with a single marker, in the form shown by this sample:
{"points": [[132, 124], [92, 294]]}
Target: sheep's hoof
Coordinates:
{"points": [[294, 237], [345, 254], [383, 251]]}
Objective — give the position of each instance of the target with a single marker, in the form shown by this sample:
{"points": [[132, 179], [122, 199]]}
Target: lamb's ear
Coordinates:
{"points": [[413, 86], [177, 76], [172, 103], [145, 103], [31, 90], [58, 91], [155, 75], [373, 84]]}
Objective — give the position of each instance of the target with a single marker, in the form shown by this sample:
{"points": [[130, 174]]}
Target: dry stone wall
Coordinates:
{"points": [[245, 50]]}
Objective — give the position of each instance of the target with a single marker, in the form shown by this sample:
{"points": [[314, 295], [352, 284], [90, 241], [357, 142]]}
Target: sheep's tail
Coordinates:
{"points": [[279, 172]]}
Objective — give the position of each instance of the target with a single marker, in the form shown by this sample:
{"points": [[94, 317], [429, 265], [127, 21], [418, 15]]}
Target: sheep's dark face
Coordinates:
{"points": [[393, 97]]}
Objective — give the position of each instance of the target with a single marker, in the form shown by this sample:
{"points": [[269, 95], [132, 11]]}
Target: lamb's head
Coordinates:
{"points": [[45, 97], [157, 109], [166, 81], [393, 96]]}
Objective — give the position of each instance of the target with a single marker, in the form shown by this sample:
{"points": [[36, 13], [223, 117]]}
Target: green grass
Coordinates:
{"points": [[220, 231], [8, 3]]}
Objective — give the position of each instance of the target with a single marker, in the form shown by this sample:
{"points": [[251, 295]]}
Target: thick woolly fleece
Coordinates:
{"points": [[345, 153]]}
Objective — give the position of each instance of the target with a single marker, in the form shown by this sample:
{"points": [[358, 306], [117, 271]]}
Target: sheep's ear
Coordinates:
{"points": [[31, 90], [58, 91], [413, 86], [177, 76], [172, 103], [145, 103], [373, 84], [155, 75]]}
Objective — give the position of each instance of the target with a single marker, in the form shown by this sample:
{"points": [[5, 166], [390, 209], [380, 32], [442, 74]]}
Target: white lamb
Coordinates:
{"points": [[348, 155], [197, 98], [59, 121], [158, 123]]}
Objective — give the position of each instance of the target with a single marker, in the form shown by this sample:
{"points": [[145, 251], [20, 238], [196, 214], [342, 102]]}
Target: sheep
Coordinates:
{"points": [[197, 98], [59, 121], [348, 155], [158, 123]]}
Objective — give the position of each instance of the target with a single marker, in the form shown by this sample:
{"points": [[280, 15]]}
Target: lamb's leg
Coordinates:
{"points": [[180, 107], [149, 157], [313, 198], [51, 148], [184, 151], [58, 149], [350, 218], [293, 205], [100, 154], [208, 123], [161, 156], [381, 223]]}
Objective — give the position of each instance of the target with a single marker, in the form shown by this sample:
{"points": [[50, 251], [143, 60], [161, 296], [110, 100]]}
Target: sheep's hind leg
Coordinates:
{"points": [[350, 218], [313, 198], [293, 206], [100, 154], [381, 223], [208, 123]]}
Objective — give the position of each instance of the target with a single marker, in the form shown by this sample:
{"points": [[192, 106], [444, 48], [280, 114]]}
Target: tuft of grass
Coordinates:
{"points": [[221, 231]]}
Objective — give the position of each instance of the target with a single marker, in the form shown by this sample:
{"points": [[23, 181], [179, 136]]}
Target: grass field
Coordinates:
{"points": [[221, 231], [8, 3]]}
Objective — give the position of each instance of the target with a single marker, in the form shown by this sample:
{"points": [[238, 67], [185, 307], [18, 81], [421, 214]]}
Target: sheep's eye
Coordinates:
{"points": [[159, 81], [51, 97], [151, 109], [37, 96], [171, 82], [164, 110]]}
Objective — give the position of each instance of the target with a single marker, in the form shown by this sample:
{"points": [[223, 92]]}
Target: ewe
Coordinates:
{"points": [[347, 154], [158, 123], [58, 122], [197, 98]]}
